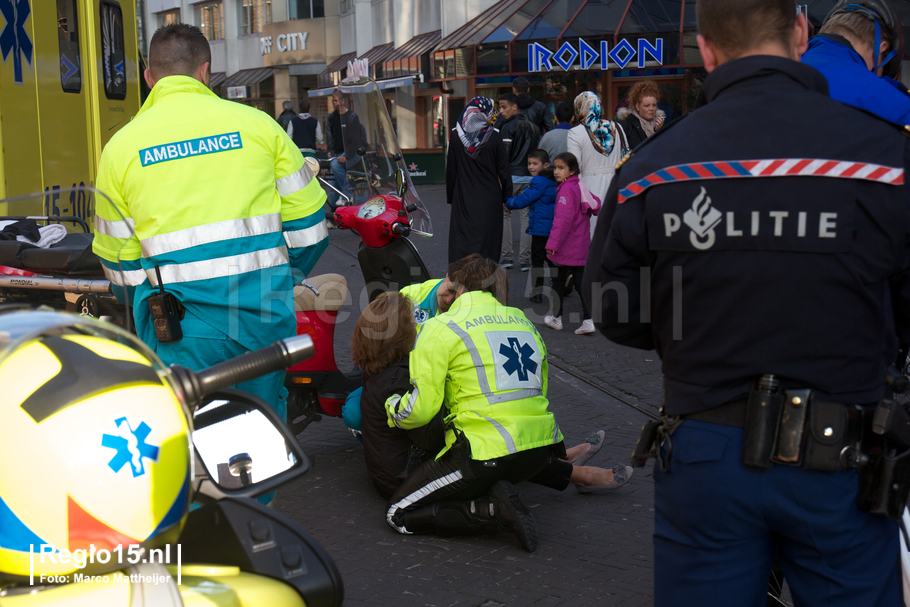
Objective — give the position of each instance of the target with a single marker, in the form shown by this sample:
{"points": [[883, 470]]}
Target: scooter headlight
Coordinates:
{"points": [[373, 207]]}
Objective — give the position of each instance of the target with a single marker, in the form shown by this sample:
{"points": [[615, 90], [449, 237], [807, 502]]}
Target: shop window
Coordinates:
{"points": [[439, 65], [306, 9], [113, 58], [210, 17], [253, 15], [493, 59], [436, 122], [168, 18], [68, 37], [464, 62]]}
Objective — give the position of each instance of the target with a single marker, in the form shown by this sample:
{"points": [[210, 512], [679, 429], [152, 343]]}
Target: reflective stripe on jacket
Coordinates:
{"points": [[220, 198], [488, 365]]}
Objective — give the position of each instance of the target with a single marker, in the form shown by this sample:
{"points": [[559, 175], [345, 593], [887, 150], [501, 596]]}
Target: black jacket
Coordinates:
{"points": [[285, 118], [386, 449], [344, 134], [635, 134], [790, 275], [521, 139], [536, 111]]}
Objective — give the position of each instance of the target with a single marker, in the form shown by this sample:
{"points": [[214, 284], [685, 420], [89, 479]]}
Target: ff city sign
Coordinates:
{"points": [[540, 58], [293, 42], [286, 42]]}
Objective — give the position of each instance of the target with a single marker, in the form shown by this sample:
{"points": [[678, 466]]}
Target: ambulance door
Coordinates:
{"points": [[20, 153], [116, 52], [63, 107]]}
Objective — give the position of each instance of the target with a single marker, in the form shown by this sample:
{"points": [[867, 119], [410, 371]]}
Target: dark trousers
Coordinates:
{"points": [[455, 477], [718, 527], [538, 261], [559, 286]]}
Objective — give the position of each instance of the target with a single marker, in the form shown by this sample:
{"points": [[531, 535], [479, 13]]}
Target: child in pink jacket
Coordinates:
{"points": [[567, 247]]}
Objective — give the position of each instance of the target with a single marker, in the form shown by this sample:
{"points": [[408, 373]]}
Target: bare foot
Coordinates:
{"points": [[577, 451], [591, 476]]}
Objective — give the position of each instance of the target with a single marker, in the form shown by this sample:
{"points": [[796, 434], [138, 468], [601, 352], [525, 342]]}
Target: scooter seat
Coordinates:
{"points": [[333, 294]]}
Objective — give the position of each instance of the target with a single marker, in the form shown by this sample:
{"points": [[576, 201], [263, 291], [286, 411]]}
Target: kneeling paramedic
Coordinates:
{"points": [[222, 207], [766, 260], [487, 365]]}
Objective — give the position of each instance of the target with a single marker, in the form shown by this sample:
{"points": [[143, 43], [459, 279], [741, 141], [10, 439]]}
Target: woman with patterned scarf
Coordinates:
{"points": [[597, 144], [478, 182]]}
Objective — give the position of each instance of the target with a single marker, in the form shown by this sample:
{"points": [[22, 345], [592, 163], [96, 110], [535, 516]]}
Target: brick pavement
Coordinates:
{"points": [[593, 549]]}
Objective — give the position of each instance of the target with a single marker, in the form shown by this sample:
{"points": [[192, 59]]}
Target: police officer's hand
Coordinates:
{"points": [[341, 159]]}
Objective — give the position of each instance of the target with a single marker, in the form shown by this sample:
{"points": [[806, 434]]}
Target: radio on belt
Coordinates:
{"points": [[167, 312]]}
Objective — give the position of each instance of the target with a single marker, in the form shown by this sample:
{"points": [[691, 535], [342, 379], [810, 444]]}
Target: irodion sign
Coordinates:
{"points": [[584, 55]]}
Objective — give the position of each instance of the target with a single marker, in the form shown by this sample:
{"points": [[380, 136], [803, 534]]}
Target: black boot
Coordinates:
{"points": [[512, 515], [450, 518]]}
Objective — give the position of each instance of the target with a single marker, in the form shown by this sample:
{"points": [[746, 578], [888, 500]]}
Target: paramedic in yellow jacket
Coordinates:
{"points": [[216, 195], [487, 364]]}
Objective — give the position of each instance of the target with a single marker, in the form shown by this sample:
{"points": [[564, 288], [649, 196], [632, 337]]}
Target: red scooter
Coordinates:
{"points": [[389, 261]]}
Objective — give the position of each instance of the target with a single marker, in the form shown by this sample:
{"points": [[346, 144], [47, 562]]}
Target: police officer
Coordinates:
{"points": [[220, 200], [754, 239], [487, 364], [856, 74]]}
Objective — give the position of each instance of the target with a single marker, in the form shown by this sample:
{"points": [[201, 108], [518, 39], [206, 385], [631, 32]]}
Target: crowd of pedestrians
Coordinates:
{"points": [[554, 175]]}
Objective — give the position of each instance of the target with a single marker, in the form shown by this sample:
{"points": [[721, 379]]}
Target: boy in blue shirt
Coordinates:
{"points": [[540, 196]]}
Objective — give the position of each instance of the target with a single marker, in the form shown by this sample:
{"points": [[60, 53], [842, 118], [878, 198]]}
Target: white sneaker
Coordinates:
{"points": [[586, 328], [554, 322]]}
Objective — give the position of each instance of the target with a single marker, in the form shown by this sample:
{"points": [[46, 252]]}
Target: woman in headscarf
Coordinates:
{"points": [[597, 144], [478, 182]]}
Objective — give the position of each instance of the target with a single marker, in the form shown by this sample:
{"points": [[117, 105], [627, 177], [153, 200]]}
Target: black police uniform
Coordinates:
{"points": [[765, 233]]}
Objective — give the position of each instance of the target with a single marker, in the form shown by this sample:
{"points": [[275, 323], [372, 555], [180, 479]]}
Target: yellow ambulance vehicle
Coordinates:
{"points": [[69, 80]]}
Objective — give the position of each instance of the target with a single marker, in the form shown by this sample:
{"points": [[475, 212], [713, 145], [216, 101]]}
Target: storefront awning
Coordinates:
{"points": [[388, 83], [328, 76], [416, 46], [412, 57], [378, 53], [217, 79], [475, 30], [248, 77]]}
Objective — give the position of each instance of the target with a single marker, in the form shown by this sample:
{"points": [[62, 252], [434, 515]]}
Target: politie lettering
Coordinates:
{"points": [[775, 221]]}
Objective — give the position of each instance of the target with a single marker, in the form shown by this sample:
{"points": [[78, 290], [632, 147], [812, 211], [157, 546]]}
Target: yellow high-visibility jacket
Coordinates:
{"points": [[219, 197], [487, 364]]}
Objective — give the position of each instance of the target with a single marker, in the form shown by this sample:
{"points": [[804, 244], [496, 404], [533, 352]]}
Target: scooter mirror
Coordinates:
{"points": [[244, 448], [401, 183]]}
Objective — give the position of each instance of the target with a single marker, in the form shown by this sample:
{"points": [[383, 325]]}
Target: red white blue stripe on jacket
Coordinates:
{"points": [[782, 167]]}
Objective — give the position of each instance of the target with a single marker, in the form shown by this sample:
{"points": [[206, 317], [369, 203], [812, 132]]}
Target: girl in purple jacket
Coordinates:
{"points": [[567, 247]]}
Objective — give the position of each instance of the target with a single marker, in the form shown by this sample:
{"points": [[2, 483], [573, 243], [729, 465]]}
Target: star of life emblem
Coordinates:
{"points": [[421, 316], [517, 360], [130, 446]]}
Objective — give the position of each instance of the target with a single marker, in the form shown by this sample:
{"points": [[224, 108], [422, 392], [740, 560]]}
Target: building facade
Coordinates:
{"points": [[264, 52], [432, 56]]}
